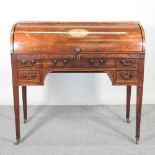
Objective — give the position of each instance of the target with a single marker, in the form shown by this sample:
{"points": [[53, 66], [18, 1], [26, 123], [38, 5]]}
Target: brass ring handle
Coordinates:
{"points": [[126, 62], [78, 57], [30, 76], [127, 75]]}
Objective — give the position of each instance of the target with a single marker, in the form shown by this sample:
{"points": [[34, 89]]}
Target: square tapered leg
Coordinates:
{"points": [[138, 111], [17, 113], [24, 96], [128, 99]]}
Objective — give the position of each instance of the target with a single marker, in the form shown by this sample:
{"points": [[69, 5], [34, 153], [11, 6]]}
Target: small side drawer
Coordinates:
{"points": [[29, 77], [124, 77], [28, 63], [127, 63]]}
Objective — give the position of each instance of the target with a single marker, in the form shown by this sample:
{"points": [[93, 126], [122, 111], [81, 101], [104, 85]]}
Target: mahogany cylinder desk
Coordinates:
{"points": [[115, 48]]}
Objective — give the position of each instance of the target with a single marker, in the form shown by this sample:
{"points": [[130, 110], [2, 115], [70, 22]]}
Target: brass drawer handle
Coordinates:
{"points": [[65, 61], [28, 63], [92, 60], [30, 76], [127, 75], [102, 61], [126, 62], [54, 61], [97, 63]]}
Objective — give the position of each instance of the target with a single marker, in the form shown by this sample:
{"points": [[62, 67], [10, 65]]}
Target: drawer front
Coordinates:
{"points": [[29, 77], [28, 63], [125, 77], [78, 63], [123, 63]]}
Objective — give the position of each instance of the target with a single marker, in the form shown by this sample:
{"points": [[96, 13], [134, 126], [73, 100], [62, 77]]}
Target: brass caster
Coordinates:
{"points": [[128, 121], [18, 141], [137, 140], [25, 121]]}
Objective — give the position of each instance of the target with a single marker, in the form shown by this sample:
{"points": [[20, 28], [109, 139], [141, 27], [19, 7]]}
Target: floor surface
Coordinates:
{"points": [[77, 130]]}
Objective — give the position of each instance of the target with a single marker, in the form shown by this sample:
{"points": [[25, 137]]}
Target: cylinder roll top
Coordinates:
{"points": [[57, 37]]}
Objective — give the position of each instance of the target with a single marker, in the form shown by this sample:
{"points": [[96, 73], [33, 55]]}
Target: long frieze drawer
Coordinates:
{"points": [[124, 77], [28, 63], [76, 63], [29, 77], [127, 63]]}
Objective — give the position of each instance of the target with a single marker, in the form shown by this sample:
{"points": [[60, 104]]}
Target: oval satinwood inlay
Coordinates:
{"points": [[78, 33]]}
